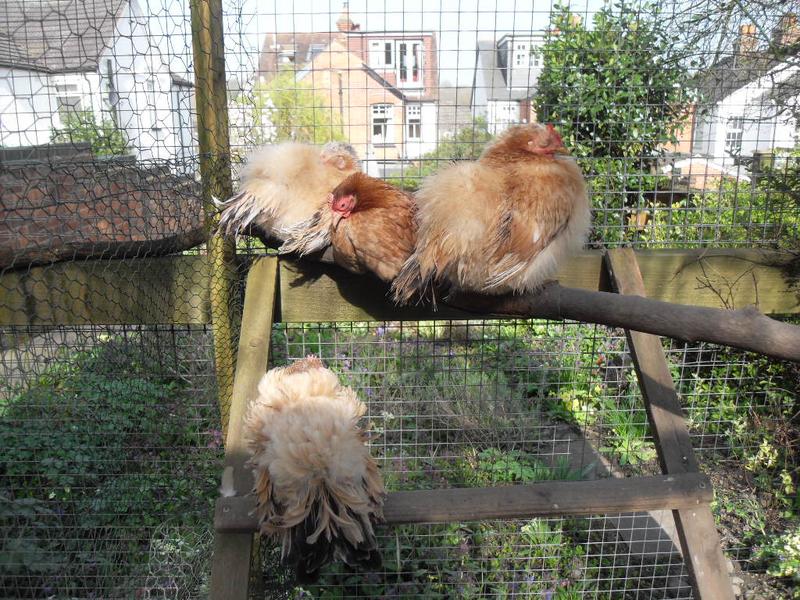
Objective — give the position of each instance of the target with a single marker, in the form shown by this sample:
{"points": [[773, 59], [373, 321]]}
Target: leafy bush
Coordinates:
{"points": [[105, 137], [99, 450], [616, 89]]}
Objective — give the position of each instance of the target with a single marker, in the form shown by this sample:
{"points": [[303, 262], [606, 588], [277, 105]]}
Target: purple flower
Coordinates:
{"points": [[216, 438], [380, 331]]}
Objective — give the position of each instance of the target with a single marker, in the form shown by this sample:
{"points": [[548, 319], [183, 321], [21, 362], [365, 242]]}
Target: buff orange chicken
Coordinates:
{"points": [[318, 490], [283, 184], [500, 224]]}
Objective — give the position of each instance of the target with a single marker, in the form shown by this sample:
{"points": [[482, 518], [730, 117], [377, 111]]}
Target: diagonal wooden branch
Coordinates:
{"points": [[745, 328]]}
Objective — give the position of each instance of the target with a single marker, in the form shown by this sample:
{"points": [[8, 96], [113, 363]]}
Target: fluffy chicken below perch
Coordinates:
{"points": [[284, 184], [501, 224], [368, 223], [318, 490]]}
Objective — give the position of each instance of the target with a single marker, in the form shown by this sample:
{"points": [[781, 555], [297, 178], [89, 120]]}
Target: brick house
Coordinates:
{"points": [[383, 85]]}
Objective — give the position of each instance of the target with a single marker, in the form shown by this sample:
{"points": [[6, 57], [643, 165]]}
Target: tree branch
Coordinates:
{"points": [[746, 328]]}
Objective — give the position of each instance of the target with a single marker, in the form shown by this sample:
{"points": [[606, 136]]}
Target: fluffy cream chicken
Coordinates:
{"points": [[500, 224], [319, 492], [368, 223], [284, 184]]}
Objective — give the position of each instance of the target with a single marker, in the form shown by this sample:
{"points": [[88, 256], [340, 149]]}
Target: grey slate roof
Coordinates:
{"points": [[732, 73], [57, 35], [494, 76]]}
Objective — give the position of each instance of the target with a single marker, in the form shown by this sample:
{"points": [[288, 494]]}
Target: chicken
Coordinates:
{"points": [[500, 224], [368, 223], [284, 184], [319, 492]]}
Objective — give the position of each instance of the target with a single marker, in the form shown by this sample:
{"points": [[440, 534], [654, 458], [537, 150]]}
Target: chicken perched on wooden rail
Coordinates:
{"points": [[500, 224], [284, 184], [368, 223], [318, 489]]}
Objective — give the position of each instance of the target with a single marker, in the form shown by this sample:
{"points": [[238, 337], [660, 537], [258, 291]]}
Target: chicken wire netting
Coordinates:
{"points": [[112, 433], [487, 403]]}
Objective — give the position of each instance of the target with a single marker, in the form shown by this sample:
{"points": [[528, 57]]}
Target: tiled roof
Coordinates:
{"points": [[297, 47], [57, 35]]}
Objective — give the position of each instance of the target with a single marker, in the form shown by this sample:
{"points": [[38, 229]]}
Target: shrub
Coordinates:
{"points": [[105, 137]]}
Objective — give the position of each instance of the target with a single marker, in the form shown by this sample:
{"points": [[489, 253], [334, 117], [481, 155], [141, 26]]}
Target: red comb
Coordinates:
{"points": [[554, 134]]}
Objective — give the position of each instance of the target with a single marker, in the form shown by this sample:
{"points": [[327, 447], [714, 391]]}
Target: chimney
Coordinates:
{"points": [[344, 23], [748, 41], [787, 32]]}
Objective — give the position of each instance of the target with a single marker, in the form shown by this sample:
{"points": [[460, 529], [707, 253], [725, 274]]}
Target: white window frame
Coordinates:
{"points": [[522, 53], [68, 99], [414, 121], [151, 98], [400, 67], [535, 57], [734, 133], [377, 54], [381, 116]]}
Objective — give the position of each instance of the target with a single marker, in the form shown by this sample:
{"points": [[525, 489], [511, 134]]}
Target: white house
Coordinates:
{"points": [[60, 56], [504, 79], [747, 100]]}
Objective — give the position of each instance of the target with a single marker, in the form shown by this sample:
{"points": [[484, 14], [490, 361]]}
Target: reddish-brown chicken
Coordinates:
{"points": [[368, 223], [500, 224]]}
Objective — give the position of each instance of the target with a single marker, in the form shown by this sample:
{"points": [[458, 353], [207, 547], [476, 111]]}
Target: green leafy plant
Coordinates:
{"points": [[782, 554], [617, 89], [85, 450], [105, 138]]}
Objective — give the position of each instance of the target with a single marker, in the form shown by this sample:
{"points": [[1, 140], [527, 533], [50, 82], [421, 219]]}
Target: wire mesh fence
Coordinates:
{"points": [[112, 433]]}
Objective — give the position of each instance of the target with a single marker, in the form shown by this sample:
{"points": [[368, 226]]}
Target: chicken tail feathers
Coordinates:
{"points": [[311, 235], [408, 282], [239, 212], [310, 551], [411, 283]]}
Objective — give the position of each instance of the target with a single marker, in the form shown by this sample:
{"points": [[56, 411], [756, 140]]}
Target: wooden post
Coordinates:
{"points": [[215, 173], [230, 570], [696, 529]]}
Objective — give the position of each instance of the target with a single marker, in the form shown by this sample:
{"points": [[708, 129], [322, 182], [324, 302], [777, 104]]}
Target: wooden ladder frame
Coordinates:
{"points": [[681, 488]]}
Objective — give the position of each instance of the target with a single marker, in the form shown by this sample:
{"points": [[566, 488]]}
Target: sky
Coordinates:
{"points": [[458, 24]]}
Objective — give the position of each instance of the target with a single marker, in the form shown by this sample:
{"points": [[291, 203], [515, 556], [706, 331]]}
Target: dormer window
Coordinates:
{"points": [[409, 63], [381, 54]]}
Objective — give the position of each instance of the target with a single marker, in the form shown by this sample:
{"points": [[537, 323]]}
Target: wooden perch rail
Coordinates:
{"points": [[551, 498], [745, 328]]}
